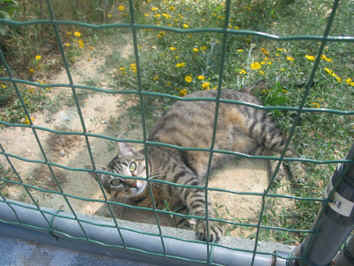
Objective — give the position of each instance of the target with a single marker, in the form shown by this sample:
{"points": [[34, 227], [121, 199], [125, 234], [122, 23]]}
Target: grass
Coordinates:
{"points": [[180, 64], [6, 175], [32, 51]]}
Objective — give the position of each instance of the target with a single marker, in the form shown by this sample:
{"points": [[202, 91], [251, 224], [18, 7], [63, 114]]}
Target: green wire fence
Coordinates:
{"points": [[82, 222]]}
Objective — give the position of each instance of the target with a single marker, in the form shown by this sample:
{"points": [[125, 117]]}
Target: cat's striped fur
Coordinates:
{"points": [[190, 124]]}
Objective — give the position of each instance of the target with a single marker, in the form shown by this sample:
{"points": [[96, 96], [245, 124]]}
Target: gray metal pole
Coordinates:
{"points": [[346, 256], [334, 222]]}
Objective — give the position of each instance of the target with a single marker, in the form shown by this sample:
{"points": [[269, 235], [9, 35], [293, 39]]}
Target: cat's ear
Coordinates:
{"points": [[125, 149]]}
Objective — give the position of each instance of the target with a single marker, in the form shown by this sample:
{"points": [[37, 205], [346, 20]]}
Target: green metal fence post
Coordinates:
{"points": [[334, 222]]}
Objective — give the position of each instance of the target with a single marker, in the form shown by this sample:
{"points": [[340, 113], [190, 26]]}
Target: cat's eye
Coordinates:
{"points": [[116, 183], [132, 166]]}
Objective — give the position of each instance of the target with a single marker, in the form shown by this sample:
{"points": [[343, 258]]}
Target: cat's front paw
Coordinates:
{"points": [[215, 231]]}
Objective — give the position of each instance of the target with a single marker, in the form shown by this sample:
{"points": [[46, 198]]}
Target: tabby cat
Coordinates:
{"points": [[190, 124]]}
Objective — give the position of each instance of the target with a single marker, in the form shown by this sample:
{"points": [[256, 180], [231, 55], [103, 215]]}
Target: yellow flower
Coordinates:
{"points": [[339, 79], [179, 65], [195, 49], [172, 8], [121, 8], [315, 104], [157, 15], [201, 77], [261, 72], [133, 67], [166, 16], [280, 49], [67, 44], [77, 34], [81, 43], [122, 68], [206, 85], [146, 14], [350, 82], [31, 70], [236, 27], [154, 8], [324, 57], [240, 50], [161, 34], [38, 57], [156, 77], [188, 79], [203, 47], [310, 57], [243, 72], [172, 48], [290, 58], [329, 71], [183, 92], [256, 66], [264, 51], [186, 26], [3, 86], [27, 120]]}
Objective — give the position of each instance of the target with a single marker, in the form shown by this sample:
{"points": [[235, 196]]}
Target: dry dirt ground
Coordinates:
{"points": [[100, 110]]}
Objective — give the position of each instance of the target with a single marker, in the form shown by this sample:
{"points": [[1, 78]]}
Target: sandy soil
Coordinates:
{"points": [[99, 110]]}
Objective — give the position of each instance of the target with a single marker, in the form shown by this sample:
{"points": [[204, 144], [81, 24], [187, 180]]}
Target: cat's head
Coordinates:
{"points": [[128, 162]]}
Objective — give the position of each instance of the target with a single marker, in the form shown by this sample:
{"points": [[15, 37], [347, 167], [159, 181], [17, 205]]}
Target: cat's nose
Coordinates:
{"points": [[134, 184]]}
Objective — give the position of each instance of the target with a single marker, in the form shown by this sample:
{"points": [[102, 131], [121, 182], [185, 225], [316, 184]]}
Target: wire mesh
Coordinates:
{"points": [[141, 93]]}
